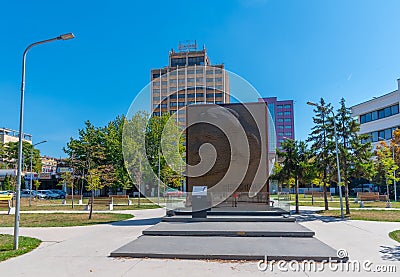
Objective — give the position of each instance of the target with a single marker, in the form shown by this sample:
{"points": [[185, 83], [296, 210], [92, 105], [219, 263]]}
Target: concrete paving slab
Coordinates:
{"points": [[228, 218], [231, 229], [227, 248]]}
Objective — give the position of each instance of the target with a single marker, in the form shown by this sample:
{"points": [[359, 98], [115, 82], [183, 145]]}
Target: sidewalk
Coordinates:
{"points": [[83, 251]]}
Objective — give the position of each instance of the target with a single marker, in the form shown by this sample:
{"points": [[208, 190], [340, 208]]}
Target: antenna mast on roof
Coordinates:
{"points": [[187, 45]]}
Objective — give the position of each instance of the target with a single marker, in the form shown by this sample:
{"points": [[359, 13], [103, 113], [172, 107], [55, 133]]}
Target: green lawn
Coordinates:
{"points": [[61, 219], [370, 215], [56, 205], [26, 245], [395, 235]]}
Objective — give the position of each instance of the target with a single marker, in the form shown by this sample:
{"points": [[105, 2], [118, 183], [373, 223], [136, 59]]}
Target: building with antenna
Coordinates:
{"points": [[189, 78]]}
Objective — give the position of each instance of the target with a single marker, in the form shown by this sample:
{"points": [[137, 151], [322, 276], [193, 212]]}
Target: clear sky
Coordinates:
{"points": [[292, 49]]}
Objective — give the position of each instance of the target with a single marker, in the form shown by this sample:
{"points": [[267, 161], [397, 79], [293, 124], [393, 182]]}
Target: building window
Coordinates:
{"points": [[287, 113], [395, 109], [280, 119], [374, 115], [288, 120], [280, 106], [379, 114], [280, 113], [288, 126], [280, 126], [288, 133], [178, 62], [287, 106], [280, 133]]}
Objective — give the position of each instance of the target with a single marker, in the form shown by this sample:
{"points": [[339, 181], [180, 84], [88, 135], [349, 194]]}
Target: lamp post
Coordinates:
{"points": [[337, 154], [158, 181], [21, 135], [31, 177]]}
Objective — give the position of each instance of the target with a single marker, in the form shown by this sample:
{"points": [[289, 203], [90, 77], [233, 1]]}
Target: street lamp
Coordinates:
{"points": [[337, 154], [21, 135], [30, 179], [158, 182]]}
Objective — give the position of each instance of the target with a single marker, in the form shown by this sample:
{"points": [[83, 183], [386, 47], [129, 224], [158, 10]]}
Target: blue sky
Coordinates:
{"points": [[300, 50]]}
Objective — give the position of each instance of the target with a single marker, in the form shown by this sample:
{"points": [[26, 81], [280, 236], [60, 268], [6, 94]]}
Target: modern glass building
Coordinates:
{"points": [[379, 116], [282, 112]]}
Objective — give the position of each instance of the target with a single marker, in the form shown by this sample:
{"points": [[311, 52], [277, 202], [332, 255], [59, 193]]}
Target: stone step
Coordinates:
{"points": [[277, 212], [227, 248], [228, 218], [230, 229]]}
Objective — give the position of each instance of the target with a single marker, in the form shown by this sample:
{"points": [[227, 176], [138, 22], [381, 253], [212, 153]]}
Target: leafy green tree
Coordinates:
{"points": [[11, 155], [68, 179], [385, 165], [3, 164], [93, 183], [134, 149], [7, 183], [36, 184]]}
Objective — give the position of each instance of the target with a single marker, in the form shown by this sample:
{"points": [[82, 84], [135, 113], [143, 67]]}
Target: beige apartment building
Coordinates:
{"points": [[9, 135], [189, 78]]}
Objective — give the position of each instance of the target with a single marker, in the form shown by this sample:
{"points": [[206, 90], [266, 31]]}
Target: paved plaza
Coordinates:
{"points": [[85, 250]]}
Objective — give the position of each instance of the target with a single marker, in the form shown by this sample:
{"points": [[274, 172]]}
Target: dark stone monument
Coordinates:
{"points": [[227, 150]]}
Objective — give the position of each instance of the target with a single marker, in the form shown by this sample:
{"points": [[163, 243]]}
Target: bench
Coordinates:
{"points": [[317, 194], [100, 201], [75, 197], [383, 197], [119, 197], [368, 196], [5, 201]]}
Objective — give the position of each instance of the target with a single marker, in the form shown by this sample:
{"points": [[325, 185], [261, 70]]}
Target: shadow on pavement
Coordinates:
{"points": [[137, 222], [390, 253], [313, 216]]}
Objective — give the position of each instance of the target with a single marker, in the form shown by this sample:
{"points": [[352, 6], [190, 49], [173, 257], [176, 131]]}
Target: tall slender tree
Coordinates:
{"points": [[354, 153], [321, 143]]}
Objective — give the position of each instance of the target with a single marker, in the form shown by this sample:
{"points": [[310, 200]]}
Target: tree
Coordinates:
{"points": [[353, 153], [385, 165], [36, 184], [3, 164], [320, 137], [11, 156], [93, 183], [68, 179], [134, 148]]}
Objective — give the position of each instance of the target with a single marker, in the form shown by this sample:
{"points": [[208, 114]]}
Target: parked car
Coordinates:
{"points": [[171, 192], [61, 193], [49, 194], [25, 193], [6, 192], [365, 188]]}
